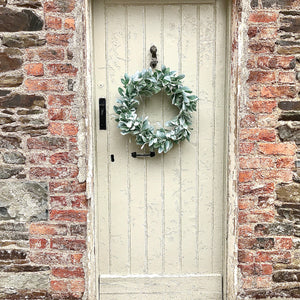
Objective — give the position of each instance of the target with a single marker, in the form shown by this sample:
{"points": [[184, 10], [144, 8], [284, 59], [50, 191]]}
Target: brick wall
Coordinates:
{"points": [[269, 185], [43, 207]]}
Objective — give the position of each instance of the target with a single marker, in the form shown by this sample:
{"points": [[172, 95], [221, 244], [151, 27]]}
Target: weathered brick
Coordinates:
{"points": [[256, 162], [69, 23], [67, 244], [47, 229], [34, 85], [267, 135], [36, 69], [37, 243], [50, 143], [45, 54], [69, 215], [277, 149], [62, 69], [61, 6], [264, 106], [245, 176], [261, 77], [278, 91], [263, 17], [58, 39], [53, 22], [68, 272]]}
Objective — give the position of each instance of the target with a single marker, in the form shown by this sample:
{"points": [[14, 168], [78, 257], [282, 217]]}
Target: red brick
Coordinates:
{"points": [[286, 77], [68, 272], [277, 149], [44, 172], [252, 31], [247, 270], [251, 134], [47, 229], [58, 201], [248, 121], [264, 282], [256, 216], [266, 269], [37, 158], [58, 100], [52, 258], [62, 6], [278, 91], [264, 256], [279, 175], [36, 243], [59, 285], [251, 63], [276, 62], [70, 129], [80, 201], [67, 244], [264, 106], [268, 33], [245, 256], [55, 128], [245, 176], [58, 39], [246, 148], [246, 204], [262, 47], [263, 17], [45, 54], [53, 22], [57, 114], [35, 69], [52, 143], [62, 158], [255, 189], [248, 282], [284, 243], [69, 215], [254, 91], [77, 286], [70, 23], [256, 162], [245, 230], [285, 162], [62, 69], [35, 85], [261, 77], [60, 187]]}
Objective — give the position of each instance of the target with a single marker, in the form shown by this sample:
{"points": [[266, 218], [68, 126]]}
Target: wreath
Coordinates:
{"points": [[147, 83]]}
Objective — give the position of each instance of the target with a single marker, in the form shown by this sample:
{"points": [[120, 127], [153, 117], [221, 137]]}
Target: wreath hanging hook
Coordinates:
{"points": [[154, 61]]}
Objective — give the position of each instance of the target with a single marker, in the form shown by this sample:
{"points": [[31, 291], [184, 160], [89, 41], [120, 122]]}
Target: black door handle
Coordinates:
{"points": [[102, 113]]}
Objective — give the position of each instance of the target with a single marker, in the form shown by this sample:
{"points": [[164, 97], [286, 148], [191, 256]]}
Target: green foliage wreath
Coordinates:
{"points": [[148, 83]]}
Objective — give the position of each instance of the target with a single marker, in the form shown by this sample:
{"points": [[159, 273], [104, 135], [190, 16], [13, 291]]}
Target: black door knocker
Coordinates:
{"points": [[154, 60]]}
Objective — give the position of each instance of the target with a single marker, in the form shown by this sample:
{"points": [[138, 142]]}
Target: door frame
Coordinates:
{"points": [[234, 65]]}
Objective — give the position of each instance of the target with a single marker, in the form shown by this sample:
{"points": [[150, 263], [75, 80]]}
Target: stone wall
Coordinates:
{"points": [[269, 182], [43, 207]]}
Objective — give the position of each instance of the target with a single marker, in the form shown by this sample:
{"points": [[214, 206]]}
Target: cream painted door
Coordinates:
{"points": [[160, 219]]}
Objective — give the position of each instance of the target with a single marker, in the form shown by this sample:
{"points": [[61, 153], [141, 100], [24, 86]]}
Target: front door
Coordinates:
{"points": [[160, 219]]}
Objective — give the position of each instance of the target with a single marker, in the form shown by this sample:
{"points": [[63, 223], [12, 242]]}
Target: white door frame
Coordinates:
{"points": [[230, 219]]}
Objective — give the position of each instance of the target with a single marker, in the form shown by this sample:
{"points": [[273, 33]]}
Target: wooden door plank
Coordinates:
{"points": [[162, 285], [206, 136], [138, 207], [189, 151], [102, 177], [118, 145], [172, 163], [154, 166]]}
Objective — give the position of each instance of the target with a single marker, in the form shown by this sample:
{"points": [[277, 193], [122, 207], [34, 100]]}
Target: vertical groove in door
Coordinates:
{"points": [[198, 142], [179, 146], [163, 157], [145, 161], [108, 151], [214, 138], [127, 150]]}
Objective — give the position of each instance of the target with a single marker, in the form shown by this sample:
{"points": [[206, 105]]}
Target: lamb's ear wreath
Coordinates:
{"points": [[148, 83]]}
